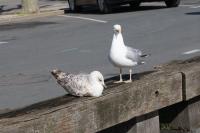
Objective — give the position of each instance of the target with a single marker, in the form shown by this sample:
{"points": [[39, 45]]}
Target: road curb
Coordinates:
{"points": [[14, 18]]}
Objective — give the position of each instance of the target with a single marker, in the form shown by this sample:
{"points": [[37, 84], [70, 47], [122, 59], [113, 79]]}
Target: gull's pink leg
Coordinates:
{"points": [[120, 76], [130, 80]]}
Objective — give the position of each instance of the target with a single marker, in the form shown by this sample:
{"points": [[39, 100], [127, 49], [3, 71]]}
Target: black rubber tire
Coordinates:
{"points": [[103, 6], [73, 6], [172, 3], [135, 4]]}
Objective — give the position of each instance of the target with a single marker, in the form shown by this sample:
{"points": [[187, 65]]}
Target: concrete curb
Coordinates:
{"points": [[15, 18]]}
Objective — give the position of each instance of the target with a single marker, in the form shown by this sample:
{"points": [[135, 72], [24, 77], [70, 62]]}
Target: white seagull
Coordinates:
{"points": [[81, 84], [123, 56]]}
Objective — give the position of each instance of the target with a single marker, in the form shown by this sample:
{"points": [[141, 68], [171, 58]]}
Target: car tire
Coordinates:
{"points": [[172, 3], [135, 4], [103, 6], [73, 6]]}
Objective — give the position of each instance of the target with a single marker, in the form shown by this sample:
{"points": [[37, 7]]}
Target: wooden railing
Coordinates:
{"points": [[170, 91]]}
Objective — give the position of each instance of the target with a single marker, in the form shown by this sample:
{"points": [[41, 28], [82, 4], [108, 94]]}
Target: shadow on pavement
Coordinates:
{"points": [[193, 13], [24, 25], [23, 79], [2, 10]]}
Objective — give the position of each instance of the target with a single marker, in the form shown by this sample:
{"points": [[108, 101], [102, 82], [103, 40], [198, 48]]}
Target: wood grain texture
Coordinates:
{"points": [[148, 125], [119, 103], [184, 116], [150, 91], [194, 114], [192, 81], [191, 75]]}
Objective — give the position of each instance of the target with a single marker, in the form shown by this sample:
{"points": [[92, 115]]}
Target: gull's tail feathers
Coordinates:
{"points": [[58, 74]]}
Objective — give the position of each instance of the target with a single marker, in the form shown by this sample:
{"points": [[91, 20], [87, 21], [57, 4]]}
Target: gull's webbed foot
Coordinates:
{"points": [[128, 81], [120, 81]]}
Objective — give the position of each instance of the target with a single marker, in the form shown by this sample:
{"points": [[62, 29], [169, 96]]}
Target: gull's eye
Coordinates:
{"points": [[100, 80]]}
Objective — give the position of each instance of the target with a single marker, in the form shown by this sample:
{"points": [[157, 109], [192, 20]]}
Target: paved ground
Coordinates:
{"points": [[80, 43]]}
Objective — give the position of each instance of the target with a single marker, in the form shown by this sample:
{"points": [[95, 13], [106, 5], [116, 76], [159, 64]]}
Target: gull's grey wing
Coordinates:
{"points": [[133, 54]]}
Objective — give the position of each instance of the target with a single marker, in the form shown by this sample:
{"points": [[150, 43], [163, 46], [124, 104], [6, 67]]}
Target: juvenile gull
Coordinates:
{"points": [[81, 84], [123, 56]]}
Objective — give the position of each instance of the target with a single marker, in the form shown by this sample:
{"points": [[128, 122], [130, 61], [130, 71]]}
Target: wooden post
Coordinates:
{"points": [[148, 123], [185, 116], [30, 6], [189, 118]]}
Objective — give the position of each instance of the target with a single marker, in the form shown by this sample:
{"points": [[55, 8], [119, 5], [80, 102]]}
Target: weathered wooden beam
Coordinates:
{"points": [[185, 116], [191, 116], [119, 103], [149, 92], [148, 123], [191, 75]]}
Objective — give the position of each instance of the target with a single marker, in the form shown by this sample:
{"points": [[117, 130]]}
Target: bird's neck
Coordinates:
{"points": [[117, 41], [118, 38]]}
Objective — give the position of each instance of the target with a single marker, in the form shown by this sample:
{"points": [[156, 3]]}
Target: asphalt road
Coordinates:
{"points": [[80, 43]]}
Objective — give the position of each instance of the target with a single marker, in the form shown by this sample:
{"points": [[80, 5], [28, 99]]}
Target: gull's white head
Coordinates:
{"points": [[98, 77], [117, 28]]}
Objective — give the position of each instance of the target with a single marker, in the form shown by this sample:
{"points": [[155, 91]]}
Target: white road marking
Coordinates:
{"points": [[191, 51], [186, 5], [195, 7], [85, 51], [68, 50], [190, 6], [84, 18], [3, 43]]}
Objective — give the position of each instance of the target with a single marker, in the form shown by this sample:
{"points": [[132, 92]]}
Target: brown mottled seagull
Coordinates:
{"points": [[81, 84]]}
